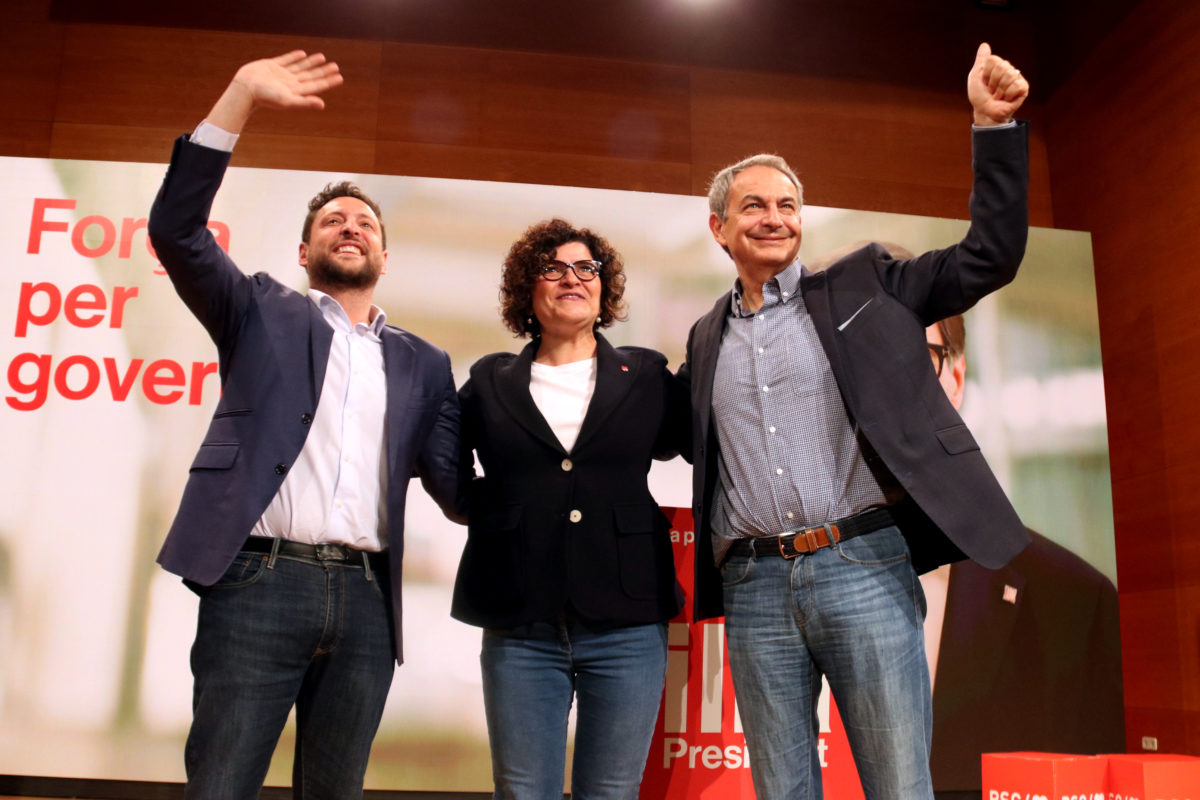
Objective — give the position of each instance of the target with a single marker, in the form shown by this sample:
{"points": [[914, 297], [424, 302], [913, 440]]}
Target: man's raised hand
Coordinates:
{"points": [[995, 88], [292, 80]]}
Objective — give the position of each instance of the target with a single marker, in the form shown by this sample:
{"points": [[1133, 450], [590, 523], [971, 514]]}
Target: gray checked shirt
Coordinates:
{"points": [[789, 455]]}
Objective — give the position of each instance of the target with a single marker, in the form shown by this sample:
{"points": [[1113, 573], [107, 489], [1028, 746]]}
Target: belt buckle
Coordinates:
{"points": [[783, 550], [809, 535], [330, 552]]}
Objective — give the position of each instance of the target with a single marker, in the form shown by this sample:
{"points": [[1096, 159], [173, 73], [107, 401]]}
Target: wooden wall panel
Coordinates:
{"points": [[30, 54], [432, 95], [1122, 142], [496, 115], [25, 138], [111, 142], [146, 78], [526, 117], [531, 166]]}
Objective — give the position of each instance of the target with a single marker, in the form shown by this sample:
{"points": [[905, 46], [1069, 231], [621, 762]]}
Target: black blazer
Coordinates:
{"points": [[1040, 670], [550, 529], [273, 346], [870, 312]]}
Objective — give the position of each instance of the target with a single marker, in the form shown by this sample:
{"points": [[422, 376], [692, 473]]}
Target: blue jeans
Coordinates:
{"points": [[854, 613], [529, 676], [275, 632]]}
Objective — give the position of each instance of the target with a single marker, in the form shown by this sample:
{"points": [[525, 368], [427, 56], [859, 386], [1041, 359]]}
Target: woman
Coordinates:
{"points": [[568, 563]]}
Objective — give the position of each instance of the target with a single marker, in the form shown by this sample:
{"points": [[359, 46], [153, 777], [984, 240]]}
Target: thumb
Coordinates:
{"points": [[981, 55]]}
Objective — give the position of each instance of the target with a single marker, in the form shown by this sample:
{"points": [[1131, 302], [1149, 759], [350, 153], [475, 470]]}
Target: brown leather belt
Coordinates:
{"points": [[809, 540]]}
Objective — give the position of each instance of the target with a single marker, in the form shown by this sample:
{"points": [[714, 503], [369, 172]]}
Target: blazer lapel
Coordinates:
{"points": [[615, 375], [512, 391], [320, 339], [705, 347], [398, 367], [814, 288]]}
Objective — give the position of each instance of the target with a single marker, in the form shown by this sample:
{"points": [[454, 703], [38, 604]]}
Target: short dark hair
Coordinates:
{"points": [[954, 335], [333, 191], [522, 269]]}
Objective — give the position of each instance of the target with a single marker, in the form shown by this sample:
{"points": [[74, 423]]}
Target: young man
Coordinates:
{"points": [[292, 522]]}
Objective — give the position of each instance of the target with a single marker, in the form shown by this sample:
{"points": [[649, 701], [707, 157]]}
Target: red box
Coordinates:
{"points": [[1153, 776], [1043, 776]]}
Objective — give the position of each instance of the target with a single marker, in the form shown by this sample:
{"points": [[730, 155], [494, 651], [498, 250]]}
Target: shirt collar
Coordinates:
{"points": [[337, 318], [787, 283]]}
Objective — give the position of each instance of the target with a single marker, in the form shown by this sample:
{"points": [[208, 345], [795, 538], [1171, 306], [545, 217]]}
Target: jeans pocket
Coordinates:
{"points": [[381, 584], [736, 569], [246, 569], [885, 546]]}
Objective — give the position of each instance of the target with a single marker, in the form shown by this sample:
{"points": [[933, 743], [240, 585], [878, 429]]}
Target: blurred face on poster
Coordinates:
{"points": [[946, 351]]}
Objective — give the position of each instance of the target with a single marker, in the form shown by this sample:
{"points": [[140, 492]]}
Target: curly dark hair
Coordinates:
{"points": [[537, 246], [332, 191]]}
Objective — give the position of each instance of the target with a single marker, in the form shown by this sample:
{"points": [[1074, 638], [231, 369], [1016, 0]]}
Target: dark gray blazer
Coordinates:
{"points": [[273, 346], [870, 312]]}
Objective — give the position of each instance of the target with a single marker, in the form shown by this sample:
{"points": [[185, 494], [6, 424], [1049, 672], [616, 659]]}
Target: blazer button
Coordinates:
{"points": [[575, 515], [305, 418], [280, 469], [567, 465]]}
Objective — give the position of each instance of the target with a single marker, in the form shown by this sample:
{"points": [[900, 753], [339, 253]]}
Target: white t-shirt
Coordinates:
{"points": [[562, 394]]}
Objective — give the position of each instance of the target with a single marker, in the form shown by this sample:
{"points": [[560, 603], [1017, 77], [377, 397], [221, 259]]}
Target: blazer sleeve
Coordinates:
{"points": [[438, 460], [940, 283], [675, 434], [204, 276]]}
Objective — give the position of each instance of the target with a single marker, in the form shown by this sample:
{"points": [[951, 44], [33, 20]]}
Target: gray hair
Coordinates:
{"points": [[718, 188]]}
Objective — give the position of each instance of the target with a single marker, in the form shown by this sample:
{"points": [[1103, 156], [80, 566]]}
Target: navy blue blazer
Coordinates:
{"points": [[870, 312], [273, 347]]}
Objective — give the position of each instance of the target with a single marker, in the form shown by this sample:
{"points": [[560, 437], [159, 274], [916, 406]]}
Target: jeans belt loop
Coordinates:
{"points": [[834, 533], [274, 553], [367, 573]]}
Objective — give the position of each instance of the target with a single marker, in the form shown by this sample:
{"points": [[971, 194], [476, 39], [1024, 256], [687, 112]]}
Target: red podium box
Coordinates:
{"points": [[1153, 776], [1043, 776]]}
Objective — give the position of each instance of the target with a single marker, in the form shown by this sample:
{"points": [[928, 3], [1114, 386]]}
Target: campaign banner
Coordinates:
{"points": [[107, 385]]}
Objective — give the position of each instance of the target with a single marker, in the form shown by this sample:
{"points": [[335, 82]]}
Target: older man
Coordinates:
{"points": [[829, 466]]}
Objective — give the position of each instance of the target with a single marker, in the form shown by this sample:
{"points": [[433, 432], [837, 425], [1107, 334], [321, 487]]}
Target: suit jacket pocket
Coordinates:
{"points": [[957, 439], [643, 550], [216, 456]]}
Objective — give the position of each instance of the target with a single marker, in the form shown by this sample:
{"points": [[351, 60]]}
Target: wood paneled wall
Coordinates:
{"points": [[1124, 145], [123, 93]]}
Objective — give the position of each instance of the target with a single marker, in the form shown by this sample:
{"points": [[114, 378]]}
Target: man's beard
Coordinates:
{"points": [[324, 272]]}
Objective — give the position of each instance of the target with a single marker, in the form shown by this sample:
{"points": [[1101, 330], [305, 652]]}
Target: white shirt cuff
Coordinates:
{"points": [[1012, 123], [209, 135]]}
